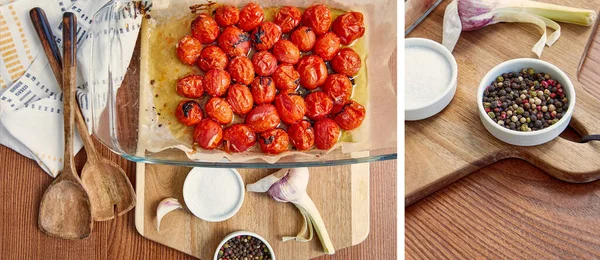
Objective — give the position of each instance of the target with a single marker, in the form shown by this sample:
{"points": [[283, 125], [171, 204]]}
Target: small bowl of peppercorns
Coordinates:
{"points": [[525, 101], [244, 245]]}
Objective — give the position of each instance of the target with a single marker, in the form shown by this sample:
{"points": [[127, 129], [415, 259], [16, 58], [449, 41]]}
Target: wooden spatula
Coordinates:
{"points": [[109, 188], [65, 210]]}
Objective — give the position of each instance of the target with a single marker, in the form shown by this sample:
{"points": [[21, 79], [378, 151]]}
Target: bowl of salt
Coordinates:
{"points": [[213, 194], [430, 78]]}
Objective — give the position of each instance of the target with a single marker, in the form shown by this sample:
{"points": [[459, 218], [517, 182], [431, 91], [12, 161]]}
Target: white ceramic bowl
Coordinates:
{"points": [[202, 185], [243, 233], [440, 102], [534, 137]]}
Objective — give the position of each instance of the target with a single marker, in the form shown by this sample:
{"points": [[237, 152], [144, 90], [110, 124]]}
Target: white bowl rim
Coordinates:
{"points": [[495, 70], [418, 42], [237, 206], [243, 233]]}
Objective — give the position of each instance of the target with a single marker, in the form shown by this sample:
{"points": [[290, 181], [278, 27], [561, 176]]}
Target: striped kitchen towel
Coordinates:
{"points": [[31, 119]]}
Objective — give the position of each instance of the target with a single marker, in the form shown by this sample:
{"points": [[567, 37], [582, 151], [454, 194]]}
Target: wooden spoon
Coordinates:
{"points": [[109, 188], [65, 210]]}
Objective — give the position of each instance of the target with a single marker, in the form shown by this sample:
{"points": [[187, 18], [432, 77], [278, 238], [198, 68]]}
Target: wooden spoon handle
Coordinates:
{"points": [[68, 81], [42, 27]]}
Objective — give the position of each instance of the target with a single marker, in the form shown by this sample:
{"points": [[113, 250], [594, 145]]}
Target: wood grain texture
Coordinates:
{"points": [[454, 143], [511, 209], [23, 183], [329, 187]]}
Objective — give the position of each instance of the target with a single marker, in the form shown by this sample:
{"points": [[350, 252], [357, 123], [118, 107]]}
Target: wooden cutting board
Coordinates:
{"points": [[443, 148], [340, 193]]}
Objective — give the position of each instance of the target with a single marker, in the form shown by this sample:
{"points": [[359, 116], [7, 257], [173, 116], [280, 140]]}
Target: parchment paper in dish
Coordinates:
{"points": [[379, 97]]}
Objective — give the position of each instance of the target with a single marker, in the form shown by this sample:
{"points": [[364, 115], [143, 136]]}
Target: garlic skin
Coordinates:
{"points": [[164, 207], [289, 185]]}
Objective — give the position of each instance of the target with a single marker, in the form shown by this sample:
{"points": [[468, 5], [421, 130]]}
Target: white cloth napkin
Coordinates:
{"points": [[31, 119]]}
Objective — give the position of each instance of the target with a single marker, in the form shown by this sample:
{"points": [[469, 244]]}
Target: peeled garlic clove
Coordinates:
{"points": [[165, 206]]}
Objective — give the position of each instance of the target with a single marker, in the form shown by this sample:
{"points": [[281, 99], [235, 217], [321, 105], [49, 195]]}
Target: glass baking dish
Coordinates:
{"points": [[116, 92]]}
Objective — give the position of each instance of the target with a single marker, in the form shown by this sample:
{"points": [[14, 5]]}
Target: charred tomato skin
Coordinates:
{"points": [[264, 63], [286, 77], [263, 90], [205, 28], [208, 134], [251, 16], [327, 46], [313, 71], [286, 52], [304, 38], [212, 57], [275, 141], [238, 138], [346, 62], [302, 135], [216, 82], [327, 133], [318, 18], [290, 106], [351, 115], [318, 105], [241, 70], [189, 49], [288, 17], [227, 15], [188, 112], [263, 118], [190, 86], [234, 42], [240, 99], [349, 27], [219, 110], [265, 36], [339, 88]]}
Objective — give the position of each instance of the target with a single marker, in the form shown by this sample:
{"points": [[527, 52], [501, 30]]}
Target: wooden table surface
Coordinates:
{"points": [[511, 209]]}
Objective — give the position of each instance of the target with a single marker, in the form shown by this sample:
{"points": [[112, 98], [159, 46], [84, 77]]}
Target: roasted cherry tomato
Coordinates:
{"points": [[318, 105], [263, 118], [304, 38], [288, 18], [205, 29], [327, 46], [290, 106], [346, 62], [339, 88], [327, 133], [240, 99], [313, 71], [275, 141], [190, 86], [238, 138], [264, 63], [351, 116], [241, 70], [208, 134], [251, 16], [286, 52], [189, 49], [263, 90], [219, 110], [188, 112], [265, 36], [234, 42], [286, 77], [302, 135], [227, 15], [216, 82], [349, 27], [212, 57], [318, 18]]}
